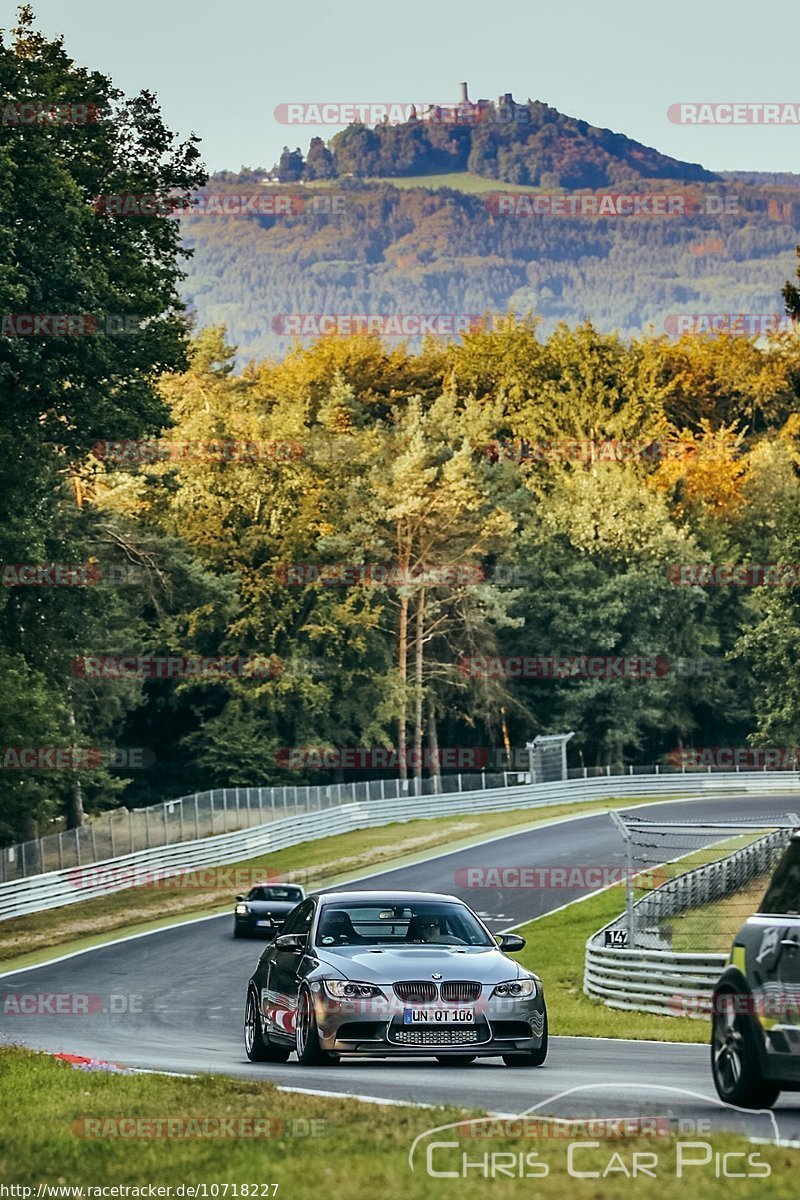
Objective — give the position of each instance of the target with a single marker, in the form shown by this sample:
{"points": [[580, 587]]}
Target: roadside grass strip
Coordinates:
{"points": [[230, 1138]]}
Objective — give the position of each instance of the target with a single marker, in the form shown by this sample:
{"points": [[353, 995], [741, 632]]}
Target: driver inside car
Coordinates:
{"points": [[430, 929]]}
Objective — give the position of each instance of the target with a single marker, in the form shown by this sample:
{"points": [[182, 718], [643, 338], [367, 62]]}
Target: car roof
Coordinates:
{"points": [[278, 885], [403, 897]]}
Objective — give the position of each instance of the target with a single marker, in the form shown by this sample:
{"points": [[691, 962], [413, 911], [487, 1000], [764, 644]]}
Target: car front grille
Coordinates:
{"points": [[415, 991], [460, 990], [433, 1035], [453, 991]]}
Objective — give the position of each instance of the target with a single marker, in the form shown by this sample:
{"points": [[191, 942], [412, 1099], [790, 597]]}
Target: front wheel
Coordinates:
{"points": [[531, 1058], [734, 1056], [257, 1047], [307, 1043]]}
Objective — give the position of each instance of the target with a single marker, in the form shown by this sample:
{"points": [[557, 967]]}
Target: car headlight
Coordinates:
{"points": [[242, 910], [516, 988], [347, 989]]}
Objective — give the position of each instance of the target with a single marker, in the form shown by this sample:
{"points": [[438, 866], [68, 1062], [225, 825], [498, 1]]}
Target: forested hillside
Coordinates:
{"points": [[211, 568], [354, 248], [261, 521]]}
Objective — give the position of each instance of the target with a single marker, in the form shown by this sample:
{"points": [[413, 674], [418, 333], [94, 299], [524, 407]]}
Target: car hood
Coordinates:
{"points": [[280, 908], [389, 964]]}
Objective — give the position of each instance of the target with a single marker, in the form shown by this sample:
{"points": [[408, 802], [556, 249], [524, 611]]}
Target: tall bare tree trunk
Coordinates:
{"points": [[402, 663], [433, 747], [506, 739], [75, 814], [419, 658]]}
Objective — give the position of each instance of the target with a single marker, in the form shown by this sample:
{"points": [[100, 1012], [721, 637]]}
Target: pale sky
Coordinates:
{"points": [[220, 69]]}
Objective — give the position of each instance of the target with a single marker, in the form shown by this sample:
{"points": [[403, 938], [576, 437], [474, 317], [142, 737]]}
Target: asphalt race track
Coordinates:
{"points": [[173, 1000]]}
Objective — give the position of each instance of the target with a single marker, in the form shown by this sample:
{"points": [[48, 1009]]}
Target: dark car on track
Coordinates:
{"points": [[392, 974], [265, 908], [755, 1020]]}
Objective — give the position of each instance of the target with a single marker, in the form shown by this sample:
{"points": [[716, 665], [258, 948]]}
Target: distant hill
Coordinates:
{"points": [[532, 144], [782, 178], [462, 221]]}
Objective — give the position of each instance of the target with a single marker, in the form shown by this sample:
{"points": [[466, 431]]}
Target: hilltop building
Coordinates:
{"points": [[464, 111]]}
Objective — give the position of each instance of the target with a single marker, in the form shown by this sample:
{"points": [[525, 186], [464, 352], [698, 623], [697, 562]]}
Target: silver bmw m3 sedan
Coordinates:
{"points": [[392, 974]]}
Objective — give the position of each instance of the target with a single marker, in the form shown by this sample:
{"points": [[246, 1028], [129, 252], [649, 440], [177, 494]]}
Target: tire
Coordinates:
{"points": [[735, 1063], [238, 932], [257, 1047], [307, 1045], [531, 1058]]}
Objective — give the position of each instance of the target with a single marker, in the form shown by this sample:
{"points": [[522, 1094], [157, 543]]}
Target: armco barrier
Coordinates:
{"points": [[57, 888], [221, 810], [664, 981], [657, 981]]}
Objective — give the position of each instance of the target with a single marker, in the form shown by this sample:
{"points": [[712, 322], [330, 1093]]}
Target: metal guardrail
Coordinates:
{"points": [[225, 810], [657, 981], [206, 814], [661, 980], [57, 888]]}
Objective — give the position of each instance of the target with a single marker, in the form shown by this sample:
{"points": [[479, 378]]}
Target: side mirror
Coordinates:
{"points": [[293, 942], [510, 942], [239, 899]]}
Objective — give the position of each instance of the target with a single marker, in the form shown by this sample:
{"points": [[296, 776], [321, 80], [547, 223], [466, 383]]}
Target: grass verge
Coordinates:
{"points": [[716, 925], [359, 1148], [557, 944], [555, 950], [459, 181], [25, 940]]}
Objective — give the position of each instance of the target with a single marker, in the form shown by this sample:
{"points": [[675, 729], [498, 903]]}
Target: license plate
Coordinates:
{"points": [[264, 923], [438, 1016]]}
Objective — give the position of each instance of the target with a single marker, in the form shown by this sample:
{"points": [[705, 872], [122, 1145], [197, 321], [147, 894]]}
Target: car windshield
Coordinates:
{"points": [[370, 924], [783, 893], [292, 894]]}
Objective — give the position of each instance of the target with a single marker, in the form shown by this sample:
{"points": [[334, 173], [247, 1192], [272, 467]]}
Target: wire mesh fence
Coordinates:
{"points": [[226, 810], [689, 887], [223, 810]]}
